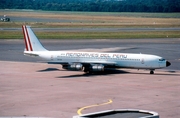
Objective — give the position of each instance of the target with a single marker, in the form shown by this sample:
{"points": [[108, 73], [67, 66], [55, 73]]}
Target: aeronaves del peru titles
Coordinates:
{"points": [[95, 55]]}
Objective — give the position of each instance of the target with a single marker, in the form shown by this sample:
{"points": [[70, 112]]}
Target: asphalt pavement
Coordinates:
{"points": [[94, 29], [12, 50]]}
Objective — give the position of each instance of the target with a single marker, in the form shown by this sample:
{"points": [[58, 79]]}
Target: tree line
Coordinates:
{"points": [[95, 5]]}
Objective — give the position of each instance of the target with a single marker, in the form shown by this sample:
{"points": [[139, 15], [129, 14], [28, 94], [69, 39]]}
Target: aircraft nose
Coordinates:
{"points": [[168, 63]]}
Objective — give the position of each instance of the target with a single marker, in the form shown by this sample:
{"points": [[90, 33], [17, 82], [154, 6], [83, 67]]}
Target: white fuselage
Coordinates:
{"points": [[121, 60]]}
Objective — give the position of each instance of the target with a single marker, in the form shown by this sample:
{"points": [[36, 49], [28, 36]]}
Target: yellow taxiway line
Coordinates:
{"points": [[96, 105]]}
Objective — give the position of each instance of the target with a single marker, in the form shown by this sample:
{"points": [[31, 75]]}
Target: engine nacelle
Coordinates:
{"points": [[73, 66], [97, 67]]}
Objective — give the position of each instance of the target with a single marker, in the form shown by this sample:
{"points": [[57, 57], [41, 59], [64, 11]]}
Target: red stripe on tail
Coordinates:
{"points": [[29, 39], [25, 41]]}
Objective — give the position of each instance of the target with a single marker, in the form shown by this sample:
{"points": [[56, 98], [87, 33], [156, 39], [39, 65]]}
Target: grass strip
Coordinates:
{"points": [[89, 25], [93, 35]]}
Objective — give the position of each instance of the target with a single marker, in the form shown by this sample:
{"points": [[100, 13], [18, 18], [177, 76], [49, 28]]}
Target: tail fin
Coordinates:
{"points": [[32, 43]]}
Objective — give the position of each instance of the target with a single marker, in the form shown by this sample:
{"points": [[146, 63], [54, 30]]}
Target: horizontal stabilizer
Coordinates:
{"points": [[31, 54]]}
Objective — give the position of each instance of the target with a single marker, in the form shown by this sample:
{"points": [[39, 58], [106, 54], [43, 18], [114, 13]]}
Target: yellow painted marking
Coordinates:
{"points": [[79, 111]]}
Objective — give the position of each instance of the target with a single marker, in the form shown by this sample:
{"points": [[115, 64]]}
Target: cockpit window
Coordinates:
{"points": [[161, 59]]}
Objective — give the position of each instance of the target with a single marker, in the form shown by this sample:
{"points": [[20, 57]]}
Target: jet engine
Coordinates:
{"points": [[73, 66], [97, 67]]}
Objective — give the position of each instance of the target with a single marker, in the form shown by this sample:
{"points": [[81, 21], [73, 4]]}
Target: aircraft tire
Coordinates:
{"points": [[151, 72]]}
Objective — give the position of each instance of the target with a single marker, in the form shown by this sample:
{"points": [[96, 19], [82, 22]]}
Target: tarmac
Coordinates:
{"points": [[94, 29], [32, 89]]}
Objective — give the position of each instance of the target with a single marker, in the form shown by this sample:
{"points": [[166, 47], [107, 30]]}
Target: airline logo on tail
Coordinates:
{"points": [[27, 39], [31, 41]]}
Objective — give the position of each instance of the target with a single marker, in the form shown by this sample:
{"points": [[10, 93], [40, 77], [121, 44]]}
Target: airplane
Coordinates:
{"points": [[90, 62]]}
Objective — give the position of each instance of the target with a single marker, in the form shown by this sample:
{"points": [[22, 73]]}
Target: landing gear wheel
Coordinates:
{"points": [[87, 70], [151, 72]]}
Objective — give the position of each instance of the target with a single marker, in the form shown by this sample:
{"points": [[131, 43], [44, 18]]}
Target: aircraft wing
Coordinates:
{"points": [[99, 62], [105, 63]]}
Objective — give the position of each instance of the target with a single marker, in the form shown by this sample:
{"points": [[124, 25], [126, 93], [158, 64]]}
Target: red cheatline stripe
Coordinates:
{"points": [[29, 39], [25, 38]]}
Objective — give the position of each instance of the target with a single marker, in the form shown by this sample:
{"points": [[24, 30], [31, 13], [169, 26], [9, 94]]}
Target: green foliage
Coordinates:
{"points": [[95, 5]]}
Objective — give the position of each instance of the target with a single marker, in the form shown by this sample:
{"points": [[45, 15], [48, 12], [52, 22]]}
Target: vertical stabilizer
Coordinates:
{"points": [[32, 43]]}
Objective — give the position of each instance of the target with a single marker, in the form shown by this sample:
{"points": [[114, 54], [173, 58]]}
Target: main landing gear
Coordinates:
{"points": [[87, 70], [151, 71]]}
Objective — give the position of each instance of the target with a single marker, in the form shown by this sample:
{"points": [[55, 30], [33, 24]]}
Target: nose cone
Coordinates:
{"points": [[168, 63]]}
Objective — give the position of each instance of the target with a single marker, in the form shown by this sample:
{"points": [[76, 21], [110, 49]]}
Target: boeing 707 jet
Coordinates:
{"points": [[90, 62]]}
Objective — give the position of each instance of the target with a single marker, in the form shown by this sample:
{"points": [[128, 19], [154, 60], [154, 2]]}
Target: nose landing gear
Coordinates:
{"points": [[151, 71]]}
